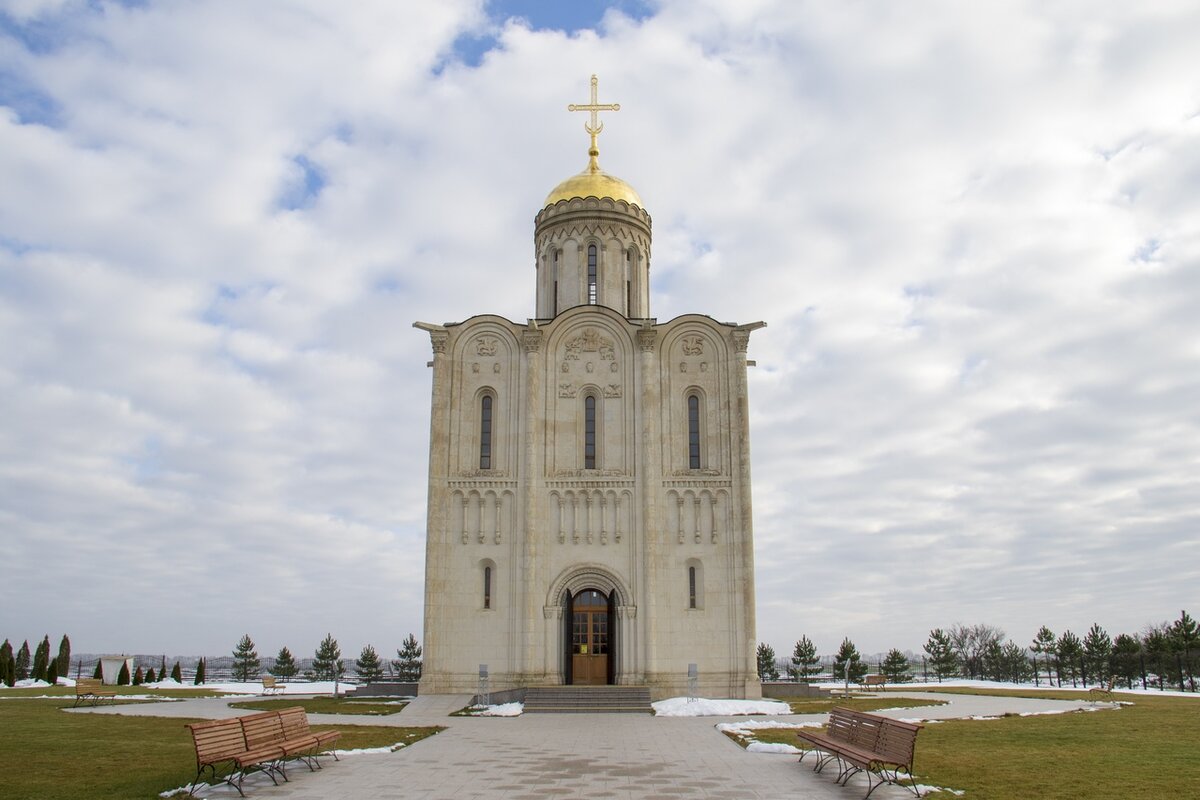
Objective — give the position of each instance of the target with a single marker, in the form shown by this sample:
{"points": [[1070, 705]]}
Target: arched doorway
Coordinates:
{"points": [[590, 641]]}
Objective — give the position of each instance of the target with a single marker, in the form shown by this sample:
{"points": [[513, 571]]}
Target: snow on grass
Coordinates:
{"points": [[703, 707], [252, 688], [501, 710], [770, 747]]}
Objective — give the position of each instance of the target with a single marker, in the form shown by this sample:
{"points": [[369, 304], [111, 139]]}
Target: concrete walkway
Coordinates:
{"points": [[535, 756]]}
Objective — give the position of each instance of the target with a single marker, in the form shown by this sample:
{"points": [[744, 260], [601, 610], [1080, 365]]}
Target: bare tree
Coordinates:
{"points": [[971, 643]]}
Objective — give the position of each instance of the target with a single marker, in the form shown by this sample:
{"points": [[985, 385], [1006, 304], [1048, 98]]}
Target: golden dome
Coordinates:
{"points": [[594, 182]]}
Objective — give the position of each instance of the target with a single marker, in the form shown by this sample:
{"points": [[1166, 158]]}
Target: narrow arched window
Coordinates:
{"points": [[589, 432], [487, 587], [591, 258], [556, 252], [691, 587], [485, 432], [693, 405]]}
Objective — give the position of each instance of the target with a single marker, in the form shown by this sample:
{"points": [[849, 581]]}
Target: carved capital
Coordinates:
{"points": [[438, 340], [552, 612], [647, 339], [531, 340], [741, 340]]}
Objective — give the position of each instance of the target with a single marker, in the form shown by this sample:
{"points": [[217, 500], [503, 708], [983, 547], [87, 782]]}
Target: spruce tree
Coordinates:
{"points": [[138, 677], [64, 656], [177, 673], [98, 672], [408, 663], [123, 675], [1125, 653], [7, 666], [805, 662], [199, 673], [285, 665], [151, 677], [1185, 635], [895, 667], [1097, 652], [940, 650], [847, 664], [245, 660], [368, 666], [1043, 644], [328, 664], [162, 670], [22, 661], [52, 671], [767, 671], [41, 659], [1069, 649]]}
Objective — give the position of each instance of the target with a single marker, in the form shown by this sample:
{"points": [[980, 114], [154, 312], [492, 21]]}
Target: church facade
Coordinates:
{"points": [[589, 515]]}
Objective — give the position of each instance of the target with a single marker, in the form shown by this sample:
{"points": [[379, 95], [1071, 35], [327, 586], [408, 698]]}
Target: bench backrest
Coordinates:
{"points": [[262, 729], [897, 742], [294, 721], [217, 740], [853, 727], [875, 680], [269, 682], [87, 685]]}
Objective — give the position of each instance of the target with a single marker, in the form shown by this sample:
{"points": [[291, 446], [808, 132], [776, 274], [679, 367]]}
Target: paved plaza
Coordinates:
{"points": [[620, 756]]}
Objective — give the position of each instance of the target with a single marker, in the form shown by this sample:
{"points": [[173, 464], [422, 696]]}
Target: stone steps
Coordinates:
{"points": [[587, 700]]}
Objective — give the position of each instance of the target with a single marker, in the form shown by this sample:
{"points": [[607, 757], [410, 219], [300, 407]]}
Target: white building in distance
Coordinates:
{"points": [[589, 474]]}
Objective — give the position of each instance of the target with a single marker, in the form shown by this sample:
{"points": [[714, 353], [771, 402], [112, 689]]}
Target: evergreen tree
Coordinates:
{"points": [[895, 667], [151, 677], [848, 664], [123, 675], [328, 664], [941, 654], [138, 677], [1069, 650], [162, 669], [1043, 645], [245, 660], [805, 661], [64, 656], [41, 659], [7, 664], [1126, 650], [285, 665], [199, 679], [177, 673], [1185, 636], [1097, 651], [52, 671], [22, 661], [408, 665], [767, 671], [98, 672], [368, 666]]}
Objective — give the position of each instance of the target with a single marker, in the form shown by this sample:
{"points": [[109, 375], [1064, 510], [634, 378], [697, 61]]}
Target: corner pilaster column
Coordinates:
{"points": [[651, 485], [531, 474]]}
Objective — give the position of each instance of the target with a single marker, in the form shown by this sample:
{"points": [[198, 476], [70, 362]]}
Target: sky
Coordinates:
{"points": [[972, 228]]}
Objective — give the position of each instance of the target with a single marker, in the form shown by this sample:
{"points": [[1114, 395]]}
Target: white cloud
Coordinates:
{"points": [[973, 231]]}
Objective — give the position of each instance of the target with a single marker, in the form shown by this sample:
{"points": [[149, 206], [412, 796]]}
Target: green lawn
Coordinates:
{"points": [[1144, 750], [326, 705], [821, 705], [48, 754]]}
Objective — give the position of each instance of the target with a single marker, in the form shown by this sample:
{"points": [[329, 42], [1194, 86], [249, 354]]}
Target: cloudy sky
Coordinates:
{"points": [[973, 230]]}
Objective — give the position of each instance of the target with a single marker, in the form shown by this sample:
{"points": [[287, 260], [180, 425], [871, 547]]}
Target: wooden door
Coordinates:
{"points": [[589, 639]]}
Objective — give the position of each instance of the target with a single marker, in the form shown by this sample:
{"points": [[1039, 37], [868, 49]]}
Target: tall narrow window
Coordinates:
{"points": [[691, 587], [485, 432], [487, 587], [556, 252], [693, 403], [591, 274], [589, 432]]}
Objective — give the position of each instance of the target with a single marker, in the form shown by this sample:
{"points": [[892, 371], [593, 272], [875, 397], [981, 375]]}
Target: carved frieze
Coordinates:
{"points": [[693, 345], [485, 346], [567, 390], [612, 390], [590, 341]]}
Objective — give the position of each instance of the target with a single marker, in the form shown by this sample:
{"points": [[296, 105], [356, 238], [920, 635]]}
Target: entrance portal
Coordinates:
{"points": [[590, 645]]}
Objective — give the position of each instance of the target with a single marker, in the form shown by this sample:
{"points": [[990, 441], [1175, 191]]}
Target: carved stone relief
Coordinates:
{"points": [[693, 345], [567, 390], [485, 346]]}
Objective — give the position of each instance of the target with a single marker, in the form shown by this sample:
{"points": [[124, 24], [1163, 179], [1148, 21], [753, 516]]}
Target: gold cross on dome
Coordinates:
{"points": [[595, 107]]}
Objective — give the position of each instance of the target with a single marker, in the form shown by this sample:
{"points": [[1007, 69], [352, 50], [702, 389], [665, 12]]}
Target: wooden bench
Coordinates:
{"points": [[874, 681], [90, 690], [263, 742], [271, 685], [1103, 691], [860, 742]]}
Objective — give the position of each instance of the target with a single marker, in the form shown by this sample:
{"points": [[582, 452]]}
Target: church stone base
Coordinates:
{"points": [[661, 685]]}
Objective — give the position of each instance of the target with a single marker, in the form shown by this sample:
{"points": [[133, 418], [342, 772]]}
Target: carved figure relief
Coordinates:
{"points": [[590, 341], [683, 366], [591, 367], [566, 390], [496, 368], [485, 346], [693, 345], [566, 367], [475, 368], [612, 367], [704, 366], [612, 390]]}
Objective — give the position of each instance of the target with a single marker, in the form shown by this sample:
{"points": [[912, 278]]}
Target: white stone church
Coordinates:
{"points": [[589, 474]]}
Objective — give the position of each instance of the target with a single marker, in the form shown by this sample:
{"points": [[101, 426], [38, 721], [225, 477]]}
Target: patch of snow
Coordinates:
{"points": [[923, 790], [770, 747], [502, 710], [703, 707], [30, 683], [755, 725], [369, 751]]}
